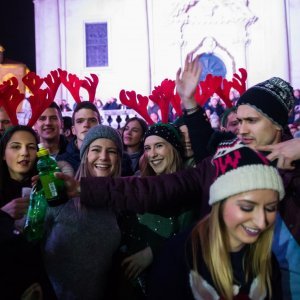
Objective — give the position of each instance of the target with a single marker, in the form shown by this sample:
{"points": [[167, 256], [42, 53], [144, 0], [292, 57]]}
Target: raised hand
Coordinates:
{"points": [[187, 80]]}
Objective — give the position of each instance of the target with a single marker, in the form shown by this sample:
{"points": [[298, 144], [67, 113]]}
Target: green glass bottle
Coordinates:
{"points": [[54, 188], [34, 223]]}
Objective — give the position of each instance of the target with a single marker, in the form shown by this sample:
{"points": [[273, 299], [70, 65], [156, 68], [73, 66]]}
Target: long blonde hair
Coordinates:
{"points": [[211, 235]]}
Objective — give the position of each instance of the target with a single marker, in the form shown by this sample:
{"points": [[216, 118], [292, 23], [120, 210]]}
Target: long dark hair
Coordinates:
{"points": [[144, 126], [4, 174]]}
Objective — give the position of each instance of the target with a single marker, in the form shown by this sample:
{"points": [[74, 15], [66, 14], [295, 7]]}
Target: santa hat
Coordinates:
{"points": [[240, 169]]}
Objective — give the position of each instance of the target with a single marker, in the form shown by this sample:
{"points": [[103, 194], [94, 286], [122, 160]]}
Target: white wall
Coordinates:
{"points": [[268, 50], [293, 11], [146, 44], [128, 53]]}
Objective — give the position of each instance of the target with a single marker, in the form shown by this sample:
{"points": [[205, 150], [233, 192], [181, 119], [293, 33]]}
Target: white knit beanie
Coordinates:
{"points": [[240, 169]]}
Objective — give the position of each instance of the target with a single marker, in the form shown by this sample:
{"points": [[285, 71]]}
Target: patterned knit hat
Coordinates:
{"points": [[273, 98], [101, 131], [168, 132], [240, 169]]}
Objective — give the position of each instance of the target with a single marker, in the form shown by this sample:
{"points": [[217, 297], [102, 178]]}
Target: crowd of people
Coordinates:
{"points": [[215, 108], [205, 206], [112, 103]]}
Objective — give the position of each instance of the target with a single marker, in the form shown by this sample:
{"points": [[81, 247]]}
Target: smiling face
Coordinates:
{"points": [[103, 158], [256, 129], [247, 215], [159, 153], [132, 135], [48, 125], [20, 154]]}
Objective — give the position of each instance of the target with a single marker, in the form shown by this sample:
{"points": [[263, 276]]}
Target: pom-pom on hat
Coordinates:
{"points": [[168, 132], [240, 169], [273, 98], [101, 131]]}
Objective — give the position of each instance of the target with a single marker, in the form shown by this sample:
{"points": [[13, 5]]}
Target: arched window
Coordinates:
{"points": [[211, 64]]}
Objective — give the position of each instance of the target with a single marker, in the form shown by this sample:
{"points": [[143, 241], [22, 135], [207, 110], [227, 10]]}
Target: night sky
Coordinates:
{"points": [[17, 33]]}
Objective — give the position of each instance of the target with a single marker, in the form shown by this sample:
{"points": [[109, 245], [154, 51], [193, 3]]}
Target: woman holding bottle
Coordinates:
{"points": [[79, 243], [22, 271]]}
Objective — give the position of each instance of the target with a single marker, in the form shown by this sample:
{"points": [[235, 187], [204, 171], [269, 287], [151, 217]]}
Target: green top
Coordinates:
{"points": [[162, 228]]}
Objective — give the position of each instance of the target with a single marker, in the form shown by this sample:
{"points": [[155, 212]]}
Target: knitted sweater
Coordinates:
{"points": [[78, 249]]}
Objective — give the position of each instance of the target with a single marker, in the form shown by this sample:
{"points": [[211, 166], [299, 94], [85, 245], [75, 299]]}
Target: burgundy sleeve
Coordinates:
{"points": [[164, 194]]}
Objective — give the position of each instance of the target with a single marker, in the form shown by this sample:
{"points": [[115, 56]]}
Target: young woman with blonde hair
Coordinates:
{"points": [[79, 242], [227, 255], [144, 234]]}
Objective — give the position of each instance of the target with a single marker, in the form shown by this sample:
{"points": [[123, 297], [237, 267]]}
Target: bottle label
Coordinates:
{"points": [[49, 185], [52, 189]]}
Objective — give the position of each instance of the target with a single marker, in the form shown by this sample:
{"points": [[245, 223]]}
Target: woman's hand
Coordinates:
{"points": [[16, 208], [186, 84], [135, 264], [72, 185], [34, 180]]}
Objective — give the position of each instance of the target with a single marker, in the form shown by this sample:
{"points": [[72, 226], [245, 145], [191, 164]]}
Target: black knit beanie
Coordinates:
{"points": [[168, 132], [273, 98]]}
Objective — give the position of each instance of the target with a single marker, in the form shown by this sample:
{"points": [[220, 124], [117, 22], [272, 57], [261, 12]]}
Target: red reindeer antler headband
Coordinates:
{"points": [[73, 84], [163, 95], [10, 98], [221, 86], [41, 98]]}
